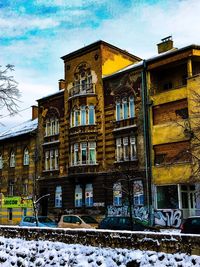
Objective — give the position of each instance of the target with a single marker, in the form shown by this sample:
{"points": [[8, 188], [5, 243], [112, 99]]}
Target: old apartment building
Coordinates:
{"points": [[89, 134], [116, 122]]}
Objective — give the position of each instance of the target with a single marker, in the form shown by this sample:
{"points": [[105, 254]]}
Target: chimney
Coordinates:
{"points": [[61, 84], [34, 112], [165, 45]]}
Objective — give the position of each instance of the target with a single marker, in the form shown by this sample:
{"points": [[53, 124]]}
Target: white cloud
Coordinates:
{"points": [[138, 30]]}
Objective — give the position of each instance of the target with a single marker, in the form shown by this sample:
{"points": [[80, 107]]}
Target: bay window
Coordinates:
{"points": [[91, 114], [83, 153], [83, 115]]}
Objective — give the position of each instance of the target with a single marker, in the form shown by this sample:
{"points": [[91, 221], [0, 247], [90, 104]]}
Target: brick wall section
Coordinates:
{"points": [[167, 112], [159, 242]]}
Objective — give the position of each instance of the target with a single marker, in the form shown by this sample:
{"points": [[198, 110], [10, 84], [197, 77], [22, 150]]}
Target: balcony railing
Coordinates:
{"points": [[88, 88], [83, 163]]}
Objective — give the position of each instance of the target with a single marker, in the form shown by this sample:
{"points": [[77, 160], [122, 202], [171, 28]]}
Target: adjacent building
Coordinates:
{"points": [[18, 170]]}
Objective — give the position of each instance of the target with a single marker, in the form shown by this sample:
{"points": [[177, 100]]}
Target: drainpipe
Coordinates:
{"points": [[147, 141]]}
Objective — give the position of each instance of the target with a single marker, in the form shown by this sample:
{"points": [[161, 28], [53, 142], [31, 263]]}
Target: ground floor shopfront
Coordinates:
{"points": [[13, 208], [91, 193], [185, 197]]}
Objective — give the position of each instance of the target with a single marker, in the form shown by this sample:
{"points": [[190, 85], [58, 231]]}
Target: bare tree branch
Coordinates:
{"points": [[9, 92]]}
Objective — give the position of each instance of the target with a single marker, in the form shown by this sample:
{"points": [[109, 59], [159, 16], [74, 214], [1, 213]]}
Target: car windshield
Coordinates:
{"points": [[44, 220], [88, 219]]}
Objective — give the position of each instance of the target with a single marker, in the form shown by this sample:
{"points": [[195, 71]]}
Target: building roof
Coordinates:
{"points": [[92, 46], [152, 59], [53, 94], [24, 128]]}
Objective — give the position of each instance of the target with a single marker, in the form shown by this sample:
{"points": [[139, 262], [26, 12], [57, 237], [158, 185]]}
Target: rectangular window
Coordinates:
{"points": [[138, 193], [131, 107], [92, 152], [76, 118], [91, 115], [56, 159], [118, 149], [125, 109], [133, 147], [167, 197], [72, 118], [125, 148], [78, 196], [58, 197], [52, 127], [117, 194], [83, 115], [46, 160], [52, 159], [89, 195], [76, 154], [118, 111], [83, 153], [56, 126]]}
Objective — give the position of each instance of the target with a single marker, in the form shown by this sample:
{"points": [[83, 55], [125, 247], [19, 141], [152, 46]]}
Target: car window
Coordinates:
{"points": [[44, 220], [27, 219], [67, 219], [124, 221], [75, 219], [88, 219], [195, 221]]}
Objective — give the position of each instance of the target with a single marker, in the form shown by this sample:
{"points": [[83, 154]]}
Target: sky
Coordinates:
{"points": [[34, 34]]}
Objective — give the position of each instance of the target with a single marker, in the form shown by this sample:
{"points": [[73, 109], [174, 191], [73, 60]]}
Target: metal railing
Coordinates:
{"points": [[88, 88]]}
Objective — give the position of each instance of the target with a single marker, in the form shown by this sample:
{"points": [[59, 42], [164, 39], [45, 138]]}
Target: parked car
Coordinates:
{"points": [[122, 223], [43, 221], [77, 221], [191, 225]]}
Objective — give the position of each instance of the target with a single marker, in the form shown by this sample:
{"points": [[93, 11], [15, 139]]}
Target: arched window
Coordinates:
{"points": [[26, 156], [12, 159], [52, 126], [1, 162]]}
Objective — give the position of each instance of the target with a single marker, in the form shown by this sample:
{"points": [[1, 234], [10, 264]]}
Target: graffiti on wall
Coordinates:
{"points": [[168, 217], [165, 217], [140, 213]]}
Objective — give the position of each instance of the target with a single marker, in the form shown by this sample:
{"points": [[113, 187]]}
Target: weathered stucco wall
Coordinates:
{"points": [[159, 242]]}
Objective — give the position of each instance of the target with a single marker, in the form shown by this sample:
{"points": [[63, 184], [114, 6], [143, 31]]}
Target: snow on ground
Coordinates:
{"points": [[18, 252]]}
